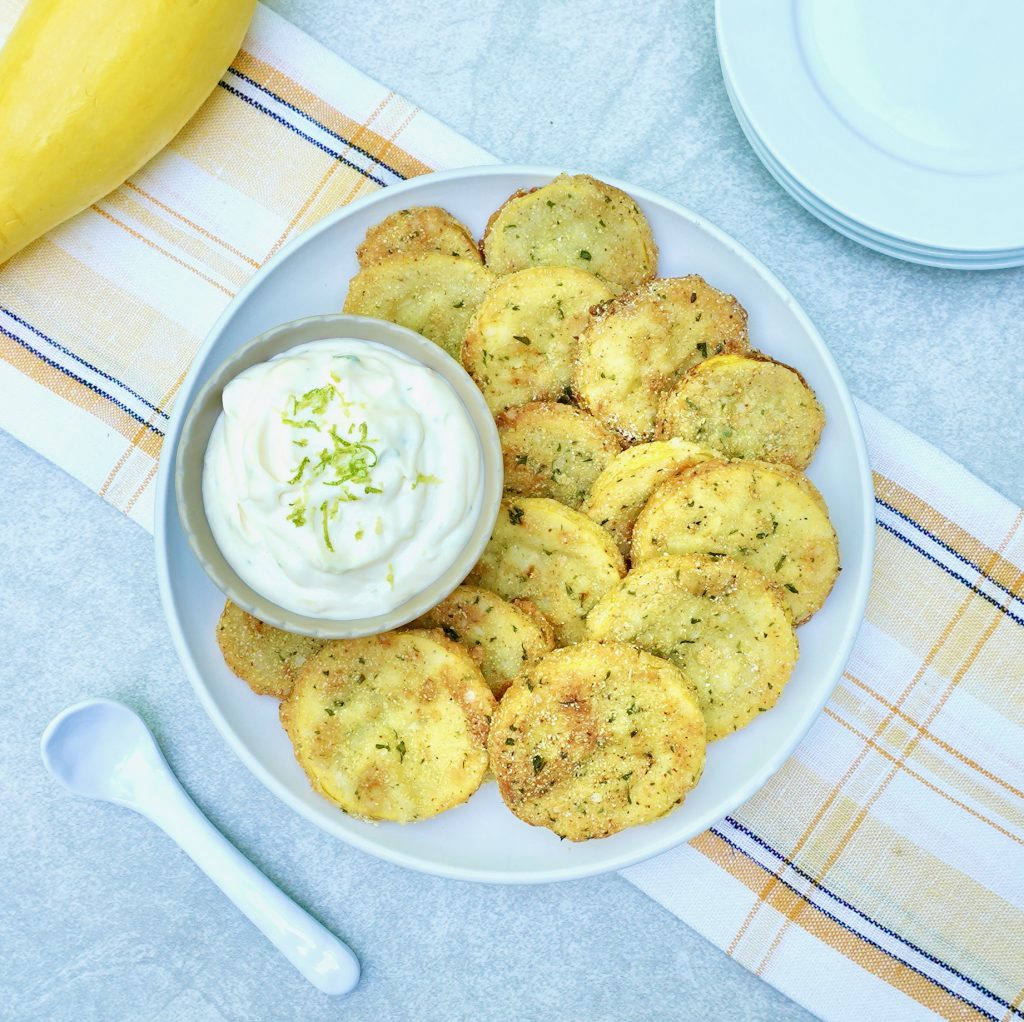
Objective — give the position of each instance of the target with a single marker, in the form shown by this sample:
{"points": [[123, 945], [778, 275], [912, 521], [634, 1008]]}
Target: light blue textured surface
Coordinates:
{"points": [[101, 918]]}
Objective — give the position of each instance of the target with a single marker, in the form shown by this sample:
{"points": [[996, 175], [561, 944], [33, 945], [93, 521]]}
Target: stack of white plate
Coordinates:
{"points": [[900, 123]]}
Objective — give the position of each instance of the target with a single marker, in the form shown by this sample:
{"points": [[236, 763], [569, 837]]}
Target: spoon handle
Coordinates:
{"points": [[321, 957]]}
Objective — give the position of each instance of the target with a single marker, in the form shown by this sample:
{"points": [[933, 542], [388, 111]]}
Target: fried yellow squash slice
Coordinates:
{"points": [[415, 231], [553, 450], [434, 294], [266, 658], [724, 625], [521, 341], [501, 637], [622, 489], [391, 727], [771, 517], [746, 406], [640, 344], [553, 556], [596, 738], [573, 221]]}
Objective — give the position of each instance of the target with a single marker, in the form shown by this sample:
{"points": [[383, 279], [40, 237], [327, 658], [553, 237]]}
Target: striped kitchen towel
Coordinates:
{"points": [[880, 873], [100, 319]]}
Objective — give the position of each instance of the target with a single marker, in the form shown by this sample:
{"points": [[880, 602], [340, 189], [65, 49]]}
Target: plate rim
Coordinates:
{"points": [[165, 480], [761, 112], [943, 259]]}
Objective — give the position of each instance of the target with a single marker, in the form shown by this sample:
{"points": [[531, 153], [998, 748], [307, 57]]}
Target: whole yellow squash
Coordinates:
{"points": [[92, 89]]}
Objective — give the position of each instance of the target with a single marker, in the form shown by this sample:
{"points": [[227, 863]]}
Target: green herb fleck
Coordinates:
{"points": [[538, 764], [703, 349], [515, 515], [584, 254]]}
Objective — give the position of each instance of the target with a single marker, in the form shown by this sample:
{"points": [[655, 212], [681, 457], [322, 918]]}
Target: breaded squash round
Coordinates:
{"points": [[266, 658], [747, 406], [533, 612], [640, 344], [415, 231], [553, 556], [622, 489], [434, 294], [573, 221], [553, 450], [724, 625], [771, 517], [391, 727], [500, 636], [596, 738], [521, 341]]}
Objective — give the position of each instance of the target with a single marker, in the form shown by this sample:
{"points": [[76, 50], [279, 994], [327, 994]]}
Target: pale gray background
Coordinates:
{"points": [[101, 918]]}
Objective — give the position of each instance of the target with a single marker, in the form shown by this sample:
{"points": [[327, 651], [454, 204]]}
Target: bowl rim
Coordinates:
{"points": [[756, 780], [204, 411]]}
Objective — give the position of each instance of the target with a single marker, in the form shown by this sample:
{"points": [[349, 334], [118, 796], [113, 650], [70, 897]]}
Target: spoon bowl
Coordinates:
{"points": [[102, 750]]}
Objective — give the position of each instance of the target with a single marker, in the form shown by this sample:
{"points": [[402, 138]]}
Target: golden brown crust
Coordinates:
{"points": [[771, 517], [640, 344], [626, 483], [432, 293], [555, 557], [595, 738], [554, 450], [492, 219], [393, 726], [502, 637], [266, 658], [415, 231], [723, 624], [747, 406], [573, 221], [521, 342], [532, 611]]}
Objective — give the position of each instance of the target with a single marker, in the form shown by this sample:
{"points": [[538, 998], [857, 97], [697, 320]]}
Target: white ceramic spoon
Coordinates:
{"points": [[103, 750]]}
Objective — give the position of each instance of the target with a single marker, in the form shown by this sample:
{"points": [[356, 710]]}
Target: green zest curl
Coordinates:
{"points": [[345, 461]]}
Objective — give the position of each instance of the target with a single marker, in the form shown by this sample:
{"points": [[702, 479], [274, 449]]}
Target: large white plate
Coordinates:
{"points": [[894, 113], [482, 840]]}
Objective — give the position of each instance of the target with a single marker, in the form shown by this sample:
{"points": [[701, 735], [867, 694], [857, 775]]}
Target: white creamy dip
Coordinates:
{"points": [[342, 478]]}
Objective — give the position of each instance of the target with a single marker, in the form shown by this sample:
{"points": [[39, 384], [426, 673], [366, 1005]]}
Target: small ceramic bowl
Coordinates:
{"points": [[206, 408]]}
